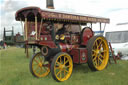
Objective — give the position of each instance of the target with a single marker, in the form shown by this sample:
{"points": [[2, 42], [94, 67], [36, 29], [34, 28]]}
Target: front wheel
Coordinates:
{"points": [[38, 66], [61, 67], [98, 53]]}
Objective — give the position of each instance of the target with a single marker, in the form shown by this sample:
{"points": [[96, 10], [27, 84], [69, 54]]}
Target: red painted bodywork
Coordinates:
{"points": [[79, 55], [75, 54], [75, 39], [40, 31], [45, 38], [50, 44], [87, 33], [67, 47], [83, 55]]}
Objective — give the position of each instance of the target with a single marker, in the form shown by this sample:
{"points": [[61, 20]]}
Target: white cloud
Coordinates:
{"points": [[116, 10], [8, 9], [119, 16]]}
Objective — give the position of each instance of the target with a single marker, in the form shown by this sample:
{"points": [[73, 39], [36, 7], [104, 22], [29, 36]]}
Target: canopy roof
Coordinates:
{"points": [[31, 12]]}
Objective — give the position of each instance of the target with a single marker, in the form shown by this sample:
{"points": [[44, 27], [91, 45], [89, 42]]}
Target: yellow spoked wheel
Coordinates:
{"points": [[38, 66], [98, 53], [62, 66]]}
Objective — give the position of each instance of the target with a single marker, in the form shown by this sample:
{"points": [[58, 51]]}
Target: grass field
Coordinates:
{"points": [[14, 70]]}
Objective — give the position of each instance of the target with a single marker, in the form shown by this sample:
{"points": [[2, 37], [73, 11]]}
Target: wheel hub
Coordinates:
{"points": [[97, 51], [40, 64], [62, 66]]}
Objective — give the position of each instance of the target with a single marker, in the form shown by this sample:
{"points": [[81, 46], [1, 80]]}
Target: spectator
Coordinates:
{"points": [[5, 46]]}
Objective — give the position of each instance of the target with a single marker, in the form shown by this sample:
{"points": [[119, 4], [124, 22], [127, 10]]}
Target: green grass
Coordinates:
{"points": [[14, 70]]}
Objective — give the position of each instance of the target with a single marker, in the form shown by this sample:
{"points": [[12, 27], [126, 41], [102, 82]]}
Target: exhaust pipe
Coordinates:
{"points": [[49, 4]]}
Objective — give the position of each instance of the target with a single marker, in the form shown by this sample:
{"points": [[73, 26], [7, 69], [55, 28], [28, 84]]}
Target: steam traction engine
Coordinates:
{"points": [[62, 42]]}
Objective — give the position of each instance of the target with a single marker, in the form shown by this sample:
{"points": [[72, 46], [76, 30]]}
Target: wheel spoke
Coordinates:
{"points": [[40, 70], [58, 72], [33, 64], [45, 68], [101, 55], [58, 63], [96, 43], [40, 59], [36, 68], [66, 62], [66, 71], [94, 51], [94, 58], [103, 51], [100, 47], [57, 67], [94, 54], [100, 60], [60, 60], [95, 62], [36, 61], [68, 66], [100, 44]]}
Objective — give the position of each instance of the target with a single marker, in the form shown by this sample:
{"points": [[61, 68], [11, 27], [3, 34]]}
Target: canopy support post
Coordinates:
{"points": [[22, 29], [80, 26], [91, 25], [26, 29], [100, 26], [40, 26], [104, 26], [26, 50], [26, 38], [36, 26]]}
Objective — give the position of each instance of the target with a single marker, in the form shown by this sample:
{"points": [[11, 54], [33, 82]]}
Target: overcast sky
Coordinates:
{"points": [[116, 10]]}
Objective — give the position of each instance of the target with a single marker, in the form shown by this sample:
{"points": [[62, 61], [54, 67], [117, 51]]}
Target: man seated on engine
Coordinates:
{"points": [[60, 34], [61, 30]]}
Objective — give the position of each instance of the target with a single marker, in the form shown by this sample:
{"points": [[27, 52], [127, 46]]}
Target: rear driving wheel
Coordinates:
{"points": [[61, 67], [38, 66], [98, 53]]}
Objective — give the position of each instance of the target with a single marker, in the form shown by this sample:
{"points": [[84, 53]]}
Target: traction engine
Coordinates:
{"points": [[62, 42]]}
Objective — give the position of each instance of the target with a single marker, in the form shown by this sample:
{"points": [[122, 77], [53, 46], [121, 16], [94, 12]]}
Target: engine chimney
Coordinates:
{"points": [[50, 4]]}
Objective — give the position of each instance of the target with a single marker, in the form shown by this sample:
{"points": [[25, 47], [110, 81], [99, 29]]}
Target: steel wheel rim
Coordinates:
{"points": [[63, 67], [100, 53], [39, 67]]}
